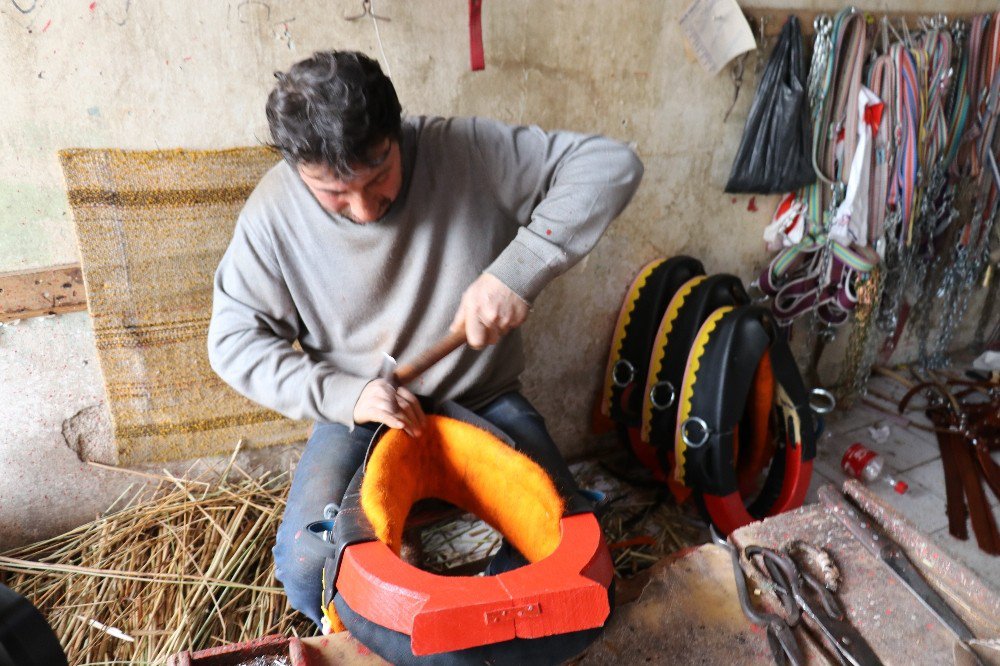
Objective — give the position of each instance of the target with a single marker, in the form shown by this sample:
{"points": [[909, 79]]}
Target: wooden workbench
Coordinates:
{"points": [[688, 613]]}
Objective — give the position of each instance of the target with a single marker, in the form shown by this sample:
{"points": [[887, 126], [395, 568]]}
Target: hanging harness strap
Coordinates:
{"points": [[804, 278], [882, 81], [964, 143], [966, 430], [818, 273], [902, 192], [477, 58], [948, 157], [960, 104], [851, 50], [715, 393]]}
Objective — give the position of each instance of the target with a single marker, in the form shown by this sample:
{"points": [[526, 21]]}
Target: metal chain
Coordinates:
{"points": [[822, 52], [989, 318], [895, 274], [969, 264], [863, 345]]}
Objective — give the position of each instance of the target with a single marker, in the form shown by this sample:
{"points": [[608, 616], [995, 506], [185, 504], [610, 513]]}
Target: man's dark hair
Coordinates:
{"points": [[333, 108]]}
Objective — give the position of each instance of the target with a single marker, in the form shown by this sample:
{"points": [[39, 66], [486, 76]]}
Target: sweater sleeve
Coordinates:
{"points": [[564, 189], [251, 335]]}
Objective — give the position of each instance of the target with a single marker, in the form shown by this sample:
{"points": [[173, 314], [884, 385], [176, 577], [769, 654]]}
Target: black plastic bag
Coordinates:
{"points": [[775, 154]]}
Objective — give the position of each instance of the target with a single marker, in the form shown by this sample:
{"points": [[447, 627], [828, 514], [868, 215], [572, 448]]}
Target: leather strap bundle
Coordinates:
{"points": [[705, 392], [897, 232], [966, 418]]}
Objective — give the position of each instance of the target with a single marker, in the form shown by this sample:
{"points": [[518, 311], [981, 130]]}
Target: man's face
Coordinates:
{"points": [[367, 196]]}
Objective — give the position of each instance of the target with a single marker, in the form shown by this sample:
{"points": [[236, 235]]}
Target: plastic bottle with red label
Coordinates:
{"points": [[860, 462]]}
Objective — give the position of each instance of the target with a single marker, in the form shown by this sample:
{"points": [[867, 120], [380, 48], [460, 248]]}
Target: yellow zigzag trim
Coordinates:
{"points": [[660, 347], [628, 307], [687, 386]]}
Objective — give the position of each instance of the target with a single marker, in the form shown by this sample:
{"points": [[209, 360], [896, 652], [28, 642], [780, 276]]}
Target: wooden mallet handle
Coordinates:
{"points": [[407, 372]]}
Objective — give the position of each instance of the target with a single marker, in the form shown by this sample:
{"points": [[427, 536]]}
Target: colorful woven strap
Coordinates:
{"points": [[902, 191], [882, 81]]}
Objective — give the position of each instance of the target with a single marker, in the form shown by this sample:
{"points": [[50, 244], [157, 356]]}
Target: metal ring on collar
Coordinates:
{"points": [[826, 403], [623, 373], [657, 404], [705, 431]]}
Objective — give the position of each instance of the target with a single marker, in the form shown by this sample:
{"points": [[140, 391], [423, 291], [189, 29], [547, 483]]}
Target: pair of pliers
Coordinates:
{"points": [[780, 639]]}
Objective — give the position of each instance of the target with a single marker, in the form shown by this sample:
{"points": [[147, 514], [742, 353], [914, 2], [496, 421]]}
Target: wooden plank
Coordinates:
{"points": [[39, 292], [774, 18]]}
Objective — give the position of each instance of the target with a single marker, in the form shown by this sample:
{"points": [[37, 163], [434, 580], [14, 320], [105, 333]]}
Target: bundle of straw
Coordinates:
{"points": [[641, 522], [188, 564], [189, 568]]}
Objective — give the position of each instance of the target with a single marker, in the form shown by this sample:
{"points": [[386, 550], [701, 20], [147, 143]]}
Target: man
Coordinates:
{"points": [[379, 233]]}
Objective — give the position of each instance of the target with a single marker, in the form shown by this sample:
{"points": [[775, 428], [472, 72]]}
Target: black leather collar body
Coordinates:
{"points": [[713, 292], [630, 366], [719, 392]]}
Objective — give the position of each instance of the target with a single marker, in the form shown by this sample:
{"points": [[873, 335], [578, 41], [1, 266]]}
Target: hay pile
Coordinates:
{"points": [[641, 521], [188, 565], [159, 575]]}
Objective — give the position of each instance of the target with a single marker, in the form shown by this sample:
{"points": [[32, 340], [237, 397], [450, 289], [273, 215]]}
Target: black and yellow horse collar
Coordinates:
{"points": [[717, 384], [636, 331]]}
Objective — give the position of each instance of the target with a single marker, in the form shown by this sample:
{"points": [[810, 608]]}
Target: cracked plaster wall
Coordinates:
{"points": [[195, 74]]}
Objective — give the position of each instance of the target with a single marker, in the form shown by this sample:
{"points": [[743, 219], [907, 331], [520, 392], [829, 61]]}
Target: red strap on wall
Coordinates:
{"points": [[476, 58]]}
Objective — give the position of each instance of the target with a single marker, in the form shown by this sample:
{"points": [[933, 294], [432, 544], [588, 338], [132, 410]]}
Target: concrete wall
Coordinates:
{"points": [[195, 74]]}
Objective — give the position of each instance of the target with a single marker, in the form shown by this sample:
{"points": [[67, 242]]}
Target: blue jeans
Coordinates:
{"points": [[332, 456]]}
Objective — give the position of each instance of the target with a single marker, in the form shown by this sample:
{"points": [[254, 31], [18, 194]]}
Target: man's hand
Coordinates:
{"points": [[396, 407], [489, 310]]}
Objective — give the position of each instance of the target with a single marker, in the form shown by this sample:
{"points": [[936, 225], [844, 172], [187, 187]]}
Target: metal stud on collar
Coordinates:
{"points": [[655, 391], [622, 373], [706, 433], [321, 529]]}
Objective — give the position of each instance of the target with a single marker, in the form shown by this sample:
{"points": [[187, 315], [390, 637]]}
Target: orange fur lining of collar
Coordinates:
{"points": [[469, 467]]}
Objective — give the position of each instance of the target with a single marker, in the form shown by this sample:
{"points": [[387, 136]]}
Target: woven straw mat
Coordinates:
{"points": [[152, 227]]}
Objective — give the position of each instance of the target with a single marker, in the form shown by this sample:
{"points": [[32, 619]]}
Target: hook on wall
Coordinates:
{"points": [[366, 10]]}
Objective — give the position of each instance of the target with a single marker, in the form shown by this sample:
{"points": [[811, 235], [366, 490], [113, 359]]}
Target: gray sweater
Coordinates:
{"points": [[477, 195]]}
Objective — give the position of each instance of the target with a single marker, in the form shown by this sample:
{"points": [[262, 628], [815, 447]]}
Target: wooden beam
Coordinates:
{"points": [[40, 292], [774, 18]]}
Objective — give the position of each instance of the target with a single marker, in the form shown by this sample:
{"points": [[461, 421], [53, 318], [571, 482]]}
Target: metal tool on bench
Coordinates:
{"points": [[817, 602], [781, 640], [865, 530]]}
